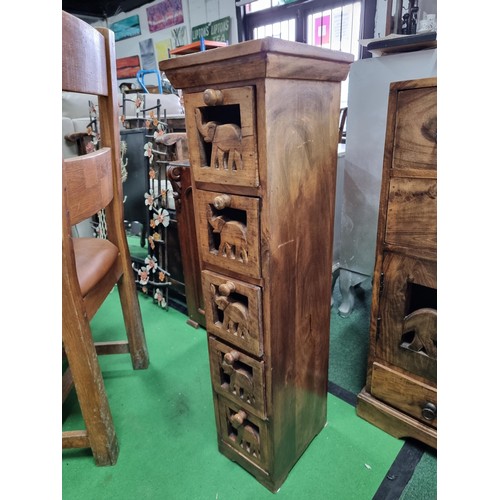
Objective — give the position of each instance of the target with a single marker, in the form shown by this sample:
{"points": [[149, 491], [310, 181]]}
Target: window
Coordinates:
{"points": [[332, 24]]}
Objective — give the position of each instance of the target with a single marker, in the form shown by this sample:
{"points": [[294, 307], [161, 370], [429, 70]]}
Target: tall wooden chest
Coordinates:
{"points": [[400, 395], [262, 120]]}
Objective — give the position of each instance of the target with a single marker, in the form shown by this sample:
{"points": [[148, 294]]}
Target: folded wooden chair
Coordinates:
{"points": [[91, 267]]}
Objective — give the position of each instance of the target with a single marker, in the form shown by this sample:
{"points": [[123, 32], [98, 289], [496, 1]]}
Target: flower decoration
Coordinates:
{"points": [[160, 298], [149, 200], [151, 263], [161, 217], [143, 276], [148, 151]]}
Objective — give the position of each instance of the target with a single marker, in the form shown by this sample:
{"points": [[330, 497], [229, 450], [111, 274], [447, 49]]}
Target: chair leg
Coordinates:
{"points": [[89, 386], [133, 320]]}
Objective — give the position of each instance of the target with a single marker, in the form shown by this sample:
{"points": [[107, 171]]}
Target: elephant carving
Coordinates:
{"points": [[233, 237], [423, 322], [249, 440], [226, 142], [235, 319], [240, 380], [248, 436]]}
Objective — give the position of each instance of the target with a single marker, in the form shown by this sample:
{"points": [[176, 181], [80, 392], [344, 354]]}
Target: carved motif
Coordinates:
{"points": [[226, 143], [240, 380], [235, 319], [248, 437], [233, 237], [423, 322]]}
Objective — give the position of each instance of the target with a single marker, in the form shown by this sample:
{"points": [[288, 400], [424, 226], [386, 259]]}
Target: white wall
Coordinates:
{"points": [[195, 12]]}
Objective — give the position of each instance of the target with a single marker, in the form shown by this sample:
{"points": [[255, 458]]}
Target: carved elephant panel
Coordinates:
{"points": [[229, 233], [223, 137], [237, 376], [244, 432], [233, 311]]}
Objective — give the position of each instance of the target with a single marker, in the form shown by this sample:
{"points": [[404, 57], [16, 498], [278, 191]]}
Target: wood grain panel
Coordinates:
{"points": [[412, 213], [415, 136], [90, 181], [403, 392], [81, 73]]}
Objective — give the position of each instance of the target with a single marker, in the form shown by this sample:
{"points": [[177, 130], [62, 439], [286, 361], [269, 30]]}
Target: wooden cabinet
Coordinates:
{"points": [[400, 395], [262, 123]]}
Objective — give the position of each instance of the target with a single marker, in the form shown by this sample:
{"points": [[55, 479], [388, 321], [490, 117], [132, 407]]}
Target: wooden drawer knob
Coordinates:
{"points": [[238, 418], [429, 412], [227, 288], [231, 357], [222, 201], [213, 97]]}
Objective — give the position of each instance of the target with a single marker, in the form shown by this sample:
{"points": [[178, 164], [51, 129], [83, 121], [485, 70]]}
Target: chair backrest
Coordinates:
{"points": [[93, 181]]}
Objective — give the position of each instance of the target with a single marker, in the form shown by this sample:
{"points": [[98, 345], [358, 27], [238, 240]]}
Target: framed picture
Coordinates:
{"points": [[164, 15], [127, 67], [147, 54], [126, 28]]}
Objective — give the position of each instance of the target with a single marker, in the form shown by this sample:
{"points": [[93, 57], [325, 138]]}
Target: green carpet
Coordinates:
{"points": [[165, 425]]}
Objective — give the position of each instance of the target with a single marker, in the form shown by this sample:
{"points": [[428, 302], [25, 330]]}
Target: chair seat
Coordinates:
{"points": [[94, 258]]}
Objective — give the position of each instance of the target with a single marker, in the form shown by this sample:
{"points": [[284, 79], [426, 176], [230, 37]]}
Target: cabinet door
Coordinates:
{"points": [[222, 136], [407, 315]]}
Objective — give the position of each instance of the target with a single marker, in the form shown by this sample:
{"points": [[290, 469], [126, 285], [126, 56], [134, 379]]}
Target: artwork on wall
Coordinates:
{"points": [[162, 49], [322, 31], [147, 54], [215, 30], [126, 28], [127, 67], [179, 36], [164, 15]]}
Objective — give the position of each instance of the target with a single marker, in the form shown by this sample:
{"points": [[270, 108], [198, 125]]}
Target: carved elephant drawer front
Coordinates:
{"points": [[244, 432], [222, 136], [408, 395], [233, 311], [238, 377], [229, 231]]}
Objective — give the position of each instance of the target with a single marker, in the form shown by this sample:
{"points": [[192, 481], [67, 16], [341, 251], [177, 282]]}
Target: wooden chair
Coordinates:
{"points": [[91, 267]]}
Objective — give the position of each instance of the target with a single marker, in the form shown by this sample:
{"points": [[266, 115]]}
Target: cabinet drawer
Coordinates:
{"points": [[233, 311], [412, 213], [243, 432], [238, 377], [412, 397], [415, 136], [228, 230], [222, 136]]}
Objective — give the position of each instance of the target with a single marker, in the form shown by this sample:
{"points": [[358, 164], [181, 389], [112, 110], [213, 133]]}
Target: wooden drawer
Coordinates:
{"points": [[222, 136], [244, 432], [237, 376], [415, 135], [228, 228], [412, 213], [233, 311], [404, 393]]}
